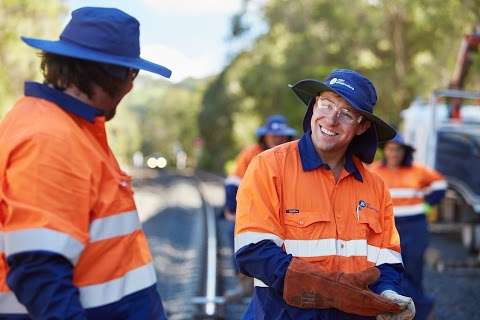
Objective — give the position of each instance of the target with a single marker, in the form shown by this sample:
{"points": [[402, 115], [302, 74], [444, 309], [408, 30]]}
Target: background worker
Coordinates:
{"points": [[274, 132], [73, 245], [414, 189], [314, 227]]}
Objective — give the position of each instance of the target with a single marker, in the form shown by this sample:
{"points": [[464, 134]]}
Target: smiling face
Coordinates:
{"points": [[334, 124]]}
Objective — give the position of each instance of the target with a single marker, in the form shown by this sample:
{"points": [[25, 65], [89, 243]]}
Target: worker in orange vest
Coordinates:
{"points": [[72, 244], [414, 189], [274, 132], [314, 227]]}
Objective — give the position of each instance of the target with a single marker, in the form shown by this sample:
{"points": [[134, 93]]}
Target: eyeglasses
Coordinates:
{"points": [[326, 107]]}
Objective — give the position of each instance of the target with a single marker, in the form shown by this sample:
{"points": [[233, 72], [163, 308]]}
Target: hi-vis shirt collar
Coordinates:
{"points": [[64, 101], [311, 160]]}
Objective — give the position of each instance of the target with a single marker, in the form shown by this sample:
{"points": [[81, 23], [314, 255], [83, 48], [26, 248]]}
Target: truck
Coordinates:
{"points": [[445, 131]]}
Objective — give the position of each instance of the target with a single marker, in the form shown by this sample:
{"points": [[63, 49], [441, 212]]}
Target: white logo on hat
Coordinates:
{"points": [[341, 82]]}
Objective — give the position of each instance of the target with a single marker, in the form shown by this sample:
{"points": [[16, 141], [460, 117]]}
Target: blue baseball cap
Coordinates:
{"points": [[360, 94], [276, 125], [106, 35]]}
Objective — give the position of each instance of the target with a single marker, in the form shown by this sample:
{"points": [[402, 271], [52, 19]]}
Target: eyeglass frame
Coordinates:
{"points": [[338, 111]]}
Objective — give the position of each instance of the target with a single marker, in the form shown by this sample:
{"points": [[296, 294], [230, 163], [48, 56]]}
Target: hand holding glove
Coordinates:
{"points": [[406, 304]]}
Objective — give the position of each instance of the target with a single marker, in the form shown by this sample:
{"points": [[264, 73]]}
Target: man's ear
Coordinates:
{"points": [[363, 126]]}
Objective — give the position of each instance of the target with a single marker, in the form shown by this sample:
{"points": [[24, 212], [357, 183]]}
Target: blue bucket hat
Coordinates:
{"points": [[276, 125], [361, 95], [106, 35]]}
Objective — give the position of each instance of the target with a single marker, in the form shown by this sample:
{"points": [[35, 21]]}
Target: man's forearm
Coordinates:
{"points": [[42, 282]]}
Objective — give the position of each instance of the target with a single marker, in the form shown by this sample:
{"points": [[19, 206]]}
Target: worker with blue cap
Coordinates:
{"points": [[414, 188], [314, 226], [274, 132], [72, 244]]}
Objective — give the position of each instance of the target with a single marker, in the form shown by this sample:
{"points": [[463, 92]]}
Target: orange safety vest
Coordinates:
{"points": [[341, 226], [409, 185], [62, 191]]}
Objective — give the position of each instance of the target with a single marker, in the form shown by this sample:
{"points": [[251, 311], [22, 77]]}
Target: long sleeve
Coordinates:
{"points": [[42, 282]]}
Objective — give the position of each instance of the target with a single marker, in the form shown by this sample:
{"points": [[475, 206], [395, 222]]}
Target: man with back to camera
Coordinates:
{"points": [[73, 245], [314, 227]]}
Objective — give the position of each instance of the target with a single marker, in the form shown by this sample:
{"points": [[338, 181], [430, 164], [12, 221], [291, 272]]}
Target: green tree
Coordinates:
{"points": [[407, 47], [42, 19]]}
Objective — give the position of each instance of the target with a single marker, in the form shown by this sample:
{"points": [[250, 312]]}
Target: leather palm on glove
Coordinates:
{"points": [[406, 304], [306, 286]]}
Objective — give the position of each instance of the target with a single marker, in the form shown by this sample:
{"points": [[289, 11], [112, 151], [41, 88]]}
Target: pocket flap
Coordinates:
{"points": [[372, 219], [305, 218]]}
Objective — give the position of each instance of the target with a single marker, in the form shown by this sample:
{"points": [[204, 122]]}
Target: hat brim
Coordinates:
{"points": [[308, 89], [287, 132], [71, 50]]}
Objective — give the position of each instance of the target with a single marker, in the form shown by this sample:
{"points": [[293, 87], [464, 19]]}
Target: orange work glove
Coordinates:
{"points": [[305, 286]]}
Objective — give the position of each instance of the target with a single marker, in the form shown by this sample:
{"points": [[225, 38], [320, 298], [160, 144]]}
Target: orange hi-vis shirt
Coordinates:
{"points": [[340, 226], [62, 191], [411, 186], [233, 181]]}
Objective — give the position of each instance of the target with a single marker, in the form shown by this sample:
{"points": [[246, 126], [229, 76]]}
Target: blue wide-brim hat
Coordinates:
{"points": [[276, 125], [361, 95], [106, 35]]}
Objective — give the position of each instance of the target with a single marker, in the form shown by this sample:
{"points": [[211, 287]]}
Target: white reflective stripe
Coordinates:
{"points": [[411, 210], [10, 304], [258, 283], [113, 226], [114, 290], [388, 256], [42, 239], [233, 180], [326, 247], [380, 256], [246, 238], [2, 246], [405, 193], [436, 186]]}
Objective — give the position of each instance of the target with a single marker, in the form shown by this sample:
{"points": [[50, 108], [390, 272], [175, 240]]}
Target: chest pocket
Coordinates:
{"points": [[306, 225], [370, 222]]}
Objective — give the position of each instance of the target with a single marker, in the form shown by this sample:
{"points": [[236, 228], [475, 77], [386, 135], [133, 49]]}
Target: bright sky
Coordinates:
{"points": [[187, 36]]}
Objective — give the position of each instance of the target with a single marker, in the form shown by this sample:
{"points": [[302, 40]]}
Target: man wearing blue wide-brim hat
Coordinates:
{"points": [[314, 226], [72, 244]]}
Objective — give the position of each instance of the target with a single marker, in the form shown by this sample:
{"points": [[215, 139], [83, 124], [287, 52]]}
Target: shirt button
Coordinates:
{"points": [[124, 184], [300, 222], [342, 246]]}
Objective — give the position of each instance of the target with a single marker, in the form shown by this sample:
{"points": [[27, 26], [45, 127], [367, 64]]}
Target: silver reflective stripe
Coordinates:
{"points": [[233, 180], [258, 283], [384, 255], [246, 238], [436, 186], [2, 246], [326, 247], [113, 226], [42, 239], [405, 193], [410, 210], [114, 290], [10, 304]]}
